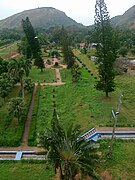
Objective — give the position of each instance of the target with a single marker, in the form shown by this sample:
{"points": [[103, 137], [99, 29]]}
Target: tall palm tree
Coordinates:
{"points": [[17, 69], [68, 151]]}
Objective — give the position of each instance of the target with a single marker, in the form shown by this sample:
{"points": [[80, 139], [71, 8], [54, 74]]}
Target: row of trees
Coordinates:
{"points": [[13, 71]]}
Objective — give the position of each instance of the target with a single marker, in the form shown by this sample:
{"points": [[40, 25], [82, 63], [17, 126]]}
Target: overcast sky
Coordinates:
{"points": [[82, 11]]}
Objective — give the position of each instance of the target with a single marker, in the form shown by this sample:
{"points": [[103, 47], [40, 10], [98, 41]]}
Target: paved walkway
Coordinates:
{"points": [[116, 129]]}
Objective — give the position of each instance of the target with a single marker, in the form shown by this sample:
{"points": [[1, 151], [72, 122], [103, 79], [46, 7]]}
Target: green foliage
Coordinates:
{"points": [[106, 53], [10, 35], [28, 84], [16, 107], [24, 48], [6, 85], [123, 51], [67, 151], [10, 129], [33, 42], [67, 52], [54, 53], [3, 66], [5, 42], [133, 51]]}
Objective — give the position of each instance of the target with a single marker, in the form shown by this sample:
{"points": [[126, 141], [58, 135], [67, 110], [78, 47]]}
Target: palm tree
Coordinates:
{"points": [[68, 151], [6, 85], [16, 107], [17, 69]]}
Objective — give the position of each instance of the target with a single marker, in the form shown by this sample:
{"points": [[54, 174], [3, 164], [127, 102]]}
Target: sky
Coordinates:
{"points": [[82, 11]]}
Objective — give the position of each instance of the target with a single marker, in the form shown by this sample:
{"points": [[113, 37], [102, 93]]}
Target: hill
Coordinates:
{"points": [[126, 20], [44, 17]]}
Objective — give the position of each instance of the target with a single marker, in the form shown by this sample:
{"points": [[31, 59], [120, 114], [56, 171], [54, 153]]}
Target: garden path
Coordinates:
{"points": [[29, 117]]}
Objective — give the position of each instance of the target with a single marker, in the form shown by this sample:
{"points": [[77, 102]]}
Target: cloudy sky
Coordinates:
{"points": [[82, 11]]}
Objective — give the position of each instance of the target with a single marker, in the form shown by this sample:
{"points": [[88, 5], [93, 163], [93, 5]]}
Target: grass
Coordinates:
{"points": [[121, 166], [25, 170], [45, 110], [84, 58], [10, 129], [66, 75], [46, 76], [8, 50], [80, 103], [75, 103]]}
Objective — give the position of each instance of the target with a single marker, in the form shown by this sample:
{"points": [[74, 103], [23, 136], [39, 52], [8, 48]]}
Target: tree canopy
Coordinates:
{"points": [[105, 48]]}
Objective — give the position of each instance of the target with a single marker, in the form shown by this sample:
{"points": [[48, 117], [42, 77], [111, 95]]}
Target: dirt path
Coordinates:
{"points": [[28, 120], [58, 76], [24, 145]]}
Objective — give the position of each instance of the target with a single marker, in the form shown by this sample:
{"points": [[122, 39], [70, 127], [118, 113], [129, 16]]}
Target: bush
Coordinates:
{"points": [[133, 51], [123, 51]]}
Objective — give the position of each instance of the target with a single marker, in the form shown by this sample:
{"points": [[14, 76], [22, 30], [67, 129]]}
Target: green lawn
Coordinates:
{"points": [[82, 104], [121, 166], [66, 75], [25, 170], [48, 75]]}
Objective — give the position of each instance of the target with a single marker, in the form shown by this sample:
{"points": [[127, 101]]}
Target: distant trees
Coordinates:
{"points": [[106, 52], [67, 52], [3, 66], [33, 43]]}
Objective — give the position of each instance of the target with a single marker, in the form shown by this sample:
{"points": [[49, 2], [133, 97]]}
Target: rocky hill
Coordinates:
{"points": [[126, 20], [44, 17]]}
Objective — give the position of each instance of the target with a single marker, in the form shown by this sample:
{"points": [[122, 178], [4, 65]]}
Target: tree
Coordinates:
{"points": [[76, 73], [16, 107], [68, 151], [28, 84], [24, 48], [33, 42], [3, 66], [106, 52], [123, 51], [6, 85], [67, 52], [17, 69]]}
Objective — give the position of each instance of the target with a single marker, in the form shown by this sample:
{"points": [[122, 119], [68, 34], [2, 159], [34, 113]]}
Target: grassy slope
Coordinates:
{"points": [[24, 170], [86, 60], [121, 166], [82, 104], [124, 83]]}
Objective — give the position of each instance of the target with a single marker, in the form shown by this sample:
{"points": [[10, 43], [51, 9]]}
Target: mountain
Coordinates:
{"points": [[44, 17], [126, 20]]}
